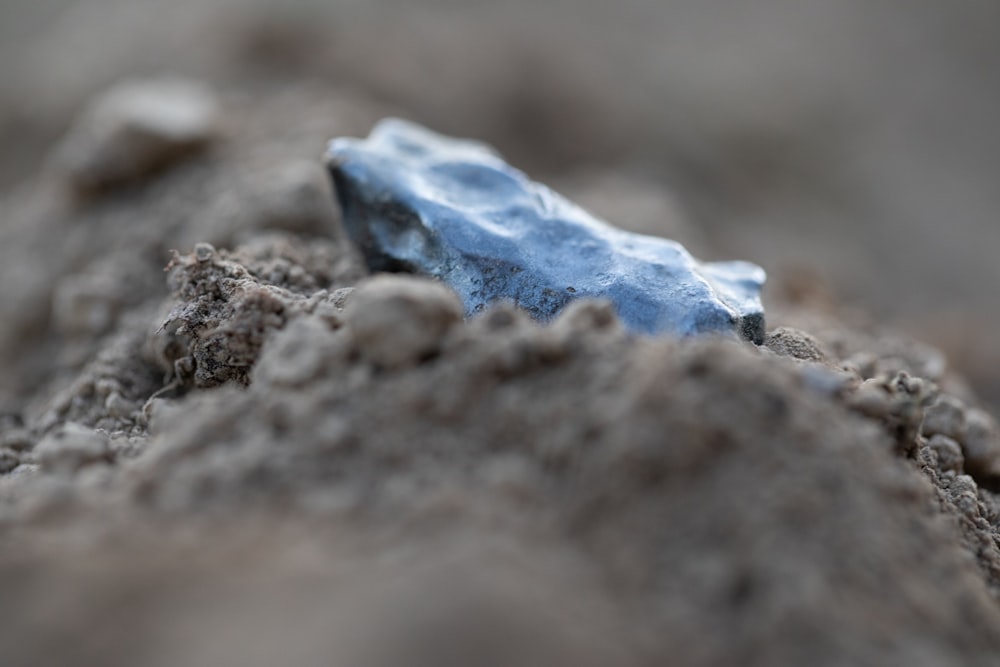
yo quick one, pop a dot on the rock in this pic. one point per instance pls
(396, 321)
(71, 447)
(416, 201)
(134, 129)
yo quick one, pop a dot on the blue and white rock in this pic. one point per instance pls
(419, 202)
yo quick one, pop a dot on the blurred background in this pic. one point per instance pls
(849, 144)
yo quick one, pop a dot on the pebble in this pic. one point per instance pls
(134, 129)
(397, 321)
(419, 202)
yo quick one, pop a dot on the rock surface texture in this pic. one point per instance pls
(419, 202)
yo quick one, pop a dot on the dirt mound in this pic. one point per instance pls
(266, 456)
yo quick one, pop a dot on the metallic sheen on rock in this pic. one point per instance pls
(419, 202)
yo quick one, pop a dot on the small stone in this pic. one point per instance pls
(136, 128)
(396, 321)
(949, 453)
(981, 444)
(945, 417)
(423, 203)
(71, 447)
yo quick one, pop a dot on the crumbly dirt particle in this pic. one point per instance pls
(397, 321)
(71, 447)
(797, 344)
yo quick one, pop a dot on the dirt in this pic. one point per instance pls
(222, 442)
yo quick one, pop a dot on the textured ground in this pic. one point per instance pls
(223, 443)
(262, 454)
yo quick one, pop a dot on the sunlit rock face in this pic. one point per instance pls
(419, 202)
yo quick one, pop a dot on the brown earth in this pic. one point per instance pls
(265, 456)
